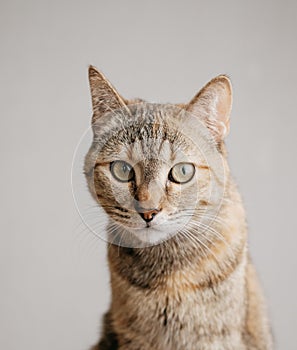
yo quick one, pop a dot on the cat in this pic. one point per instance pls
(181, 274)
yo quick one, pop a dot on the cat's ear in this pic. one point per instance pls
(105, 98)
(213, 105)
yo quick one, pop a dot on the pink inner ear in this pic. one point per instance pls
(223, 112)
(223, 109)
(213, 105)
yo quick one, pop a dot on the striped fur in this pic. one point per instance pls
(198, 289)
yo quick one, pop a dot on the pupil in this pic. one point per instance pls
(184, 170)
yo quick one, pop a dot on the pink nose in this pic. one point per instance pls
(148, 215)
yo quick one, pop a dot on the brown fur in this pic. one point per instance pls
(196, 290)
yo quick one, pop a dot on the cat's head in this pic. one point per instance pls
(158, 169)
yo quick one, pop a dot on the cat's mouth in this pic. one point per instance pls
(151, 232)
(148, 225)
(152, 219)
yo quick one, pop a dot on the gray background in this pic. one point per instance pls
(54, 279)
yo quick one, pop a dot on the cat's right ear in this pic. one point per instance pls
(105, 98)
(213, 106)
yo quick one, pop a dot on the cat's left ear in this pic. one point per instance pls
(213, 105)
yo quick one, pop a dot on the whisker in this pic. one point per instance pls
(204, 245)
(215, 232)
(197, 244)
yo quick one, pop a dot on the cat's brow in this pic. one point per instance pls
(203, 166)
(101, 164)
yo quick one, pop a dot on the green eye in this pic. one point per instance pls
(121, 171)
(182, 173)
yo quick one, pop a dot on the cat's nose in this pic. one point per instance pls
(148, 215)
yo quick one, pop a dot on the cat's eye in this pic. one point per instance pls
(182, 173)
(122, 171)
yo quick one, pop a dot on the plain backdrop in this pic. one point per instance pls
(54, 278)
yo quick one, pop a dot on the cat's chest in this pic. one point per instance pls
(179, 319)
(201, 317)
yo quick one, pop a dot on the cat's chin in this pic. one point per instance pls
(145, 235)
(140, 237)
(152, 236)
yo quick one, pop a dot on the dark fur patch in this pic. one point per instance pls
(109, 340)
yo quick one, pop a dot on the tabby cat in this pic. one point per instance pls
(181, 275)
